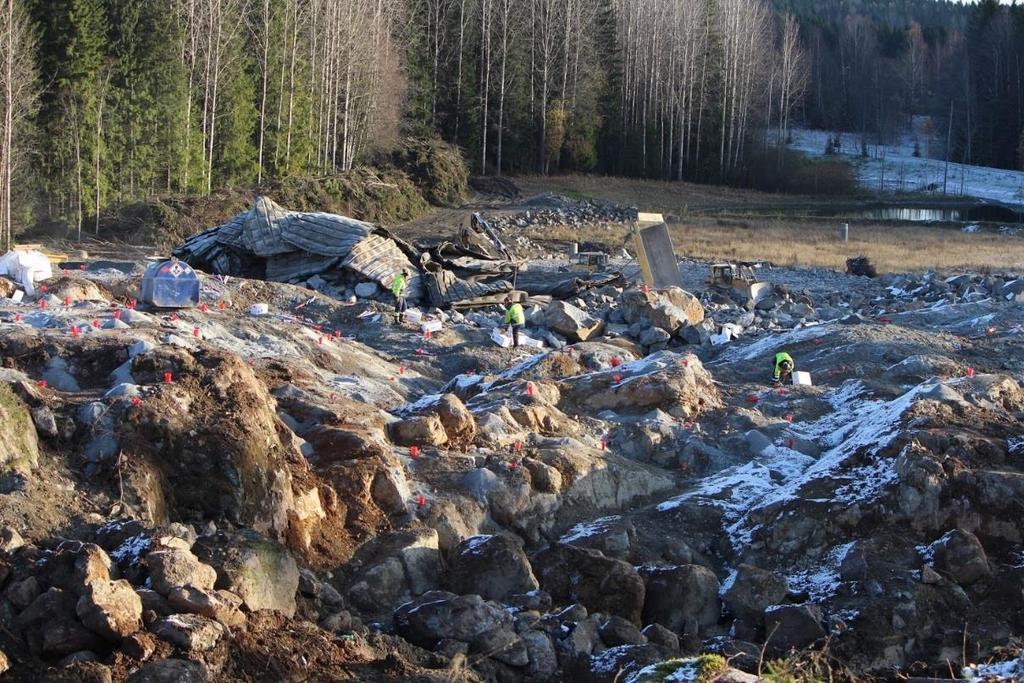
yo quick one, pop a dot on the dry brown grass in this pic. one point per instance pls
(895, 249)
(784, 241)
(656, 195)
(815, 243)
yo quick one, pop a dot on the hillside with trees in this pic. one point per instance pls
(109, 101)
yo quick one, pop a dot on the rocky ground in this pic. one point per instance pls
(322, 493)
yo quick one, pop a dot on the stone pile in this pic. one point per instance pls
(553, 210)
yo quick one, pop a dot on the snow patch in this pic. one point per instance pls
(1015, 446)
(894, 168)
(588, 529)
(1012, 670)
(131, 550)
(778, 475)
(475, 543)
(768, 345)
(686, 671)
(420, 405)
(821, 582)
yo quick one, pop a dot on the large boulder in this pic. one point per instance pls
(678, 384)
(493, 567)
(394, 568)
(602, 584)
(222, 606)
(683, 598)
(51, 627)
(190, 632)
(419, 430)
(19, 445)
(255, 568)
(439, 615)
(173, 567)
(110, 609)
(752, 591)
(792, 627)
(573, 323)
(670, 309)
(458, 422)
(960, 554)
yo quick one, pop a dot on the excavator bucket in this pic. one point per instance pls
(170, 284)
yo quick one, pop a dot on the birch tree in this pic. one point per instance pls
(19, 94)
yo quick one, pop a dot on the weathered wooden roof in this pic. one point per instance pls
(230, 233)
(261, 232)
(298, 265)
(323, 233)
(445, 289)
(378, 258)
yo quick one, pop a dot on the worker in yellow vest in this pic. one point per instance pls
(398, 286)
(782, 369)
(515, 318)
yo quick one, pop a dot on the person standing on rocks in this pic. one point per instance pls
(515, 318)
(783, 369)
(398, 286)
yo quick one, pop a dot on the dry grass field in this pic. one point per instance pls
(785, 241)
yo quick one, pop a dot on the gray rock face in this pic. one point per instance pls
(753, 591)
(51, 628)
(110, 609)
(45, 421)
(683, 599)
(659, 635)
(960, 555)
(171, 671)
(791, 627)
(365, 290)
(175, 567)
(586, 576)
(439, 615)
(504, 645)
(255, 568)
(699, 334)
(613, 535)
(571, 322)
(618, 631)
(493, 567)
(421, 430)
(19, 445)
(669, 309)
(222, 606)
(543, 661)
(654, 335)
(396, 568)
(190, 632)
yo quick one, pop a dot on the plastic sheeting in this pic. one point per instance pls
(26, 268)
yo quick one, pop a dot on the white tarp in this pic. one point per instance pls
(26, 267)
(505, 340)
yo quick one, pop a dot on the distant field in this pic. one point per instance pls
(797, 241)
(656, 195)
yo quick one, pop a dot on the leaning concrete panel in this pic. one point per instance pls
(655, 252)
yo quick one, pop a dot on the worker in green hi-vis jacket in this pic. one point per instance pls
(398, 286)
(516, 318)
(782, 369)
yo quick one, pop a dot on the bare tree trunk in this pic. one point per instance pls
(101, 96)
